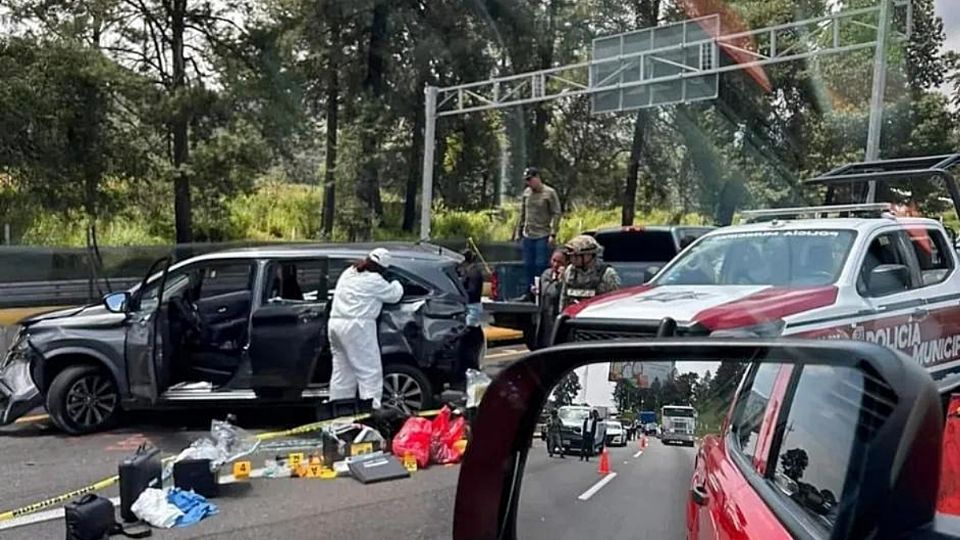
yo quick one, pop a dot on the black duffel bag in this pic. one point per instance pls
(92, 518)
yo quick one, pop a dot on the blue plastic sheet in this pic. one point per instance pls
(194, 507)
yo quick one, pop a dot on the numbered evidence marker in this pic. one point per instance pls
(409, 462)
(296, 460)
(359, 449)
(241, 470)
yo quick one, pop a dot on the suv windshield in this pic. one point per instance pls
(798, 257)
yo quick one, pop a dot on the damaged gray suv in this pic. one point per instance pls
(233, 328)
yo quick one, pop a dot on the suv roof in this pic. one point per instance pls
(420, 252)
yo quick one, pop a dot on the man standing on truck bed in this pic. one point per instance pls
(538, 224)
(585, 276)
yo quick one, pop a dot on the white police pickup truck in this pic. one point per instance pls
(860, 271)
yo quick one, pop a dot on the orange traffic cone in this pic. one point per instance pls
(604, 462)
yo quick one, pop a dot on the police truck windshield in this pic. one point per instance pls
(805, 257)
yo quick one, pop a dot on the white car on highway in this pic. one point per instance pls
(616, 435)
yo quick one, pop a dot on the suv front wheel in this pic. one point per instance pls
(406, 388)
(83, 399)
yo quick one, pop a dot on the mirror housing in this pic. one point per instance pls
(888, 279)
(892, 483)
(118, 302)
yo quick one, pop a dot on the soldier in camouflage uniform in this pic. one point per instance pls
(586, 276)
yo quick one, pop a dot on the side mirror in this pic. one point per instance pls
(853, 409)
(117, 302)
(888, 279)
(649, 272)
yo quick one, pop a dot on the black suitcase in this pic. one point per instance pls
(137, 473)
(195, 474)
(377, 469)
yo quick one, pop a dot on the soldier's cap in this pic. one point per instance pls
(530, 172)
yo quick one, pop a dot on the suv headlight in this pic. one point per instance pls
(17, 350)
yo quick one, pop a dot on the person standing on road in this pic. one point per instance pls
(471, 277)
(554, 439)
(585, 276)
(589, 431)
(549, 293)
(358, 298)
(538, 224)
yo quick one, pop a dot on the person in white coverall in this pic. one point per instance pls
(358, 298)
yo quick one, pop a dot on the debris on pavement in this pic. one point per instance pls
(153, 507)
(477, 383)
(194, 507)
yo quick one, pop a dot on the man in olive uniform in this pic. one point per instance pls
(586, 276)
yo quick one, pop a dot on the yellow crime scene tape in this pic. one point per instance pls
(107, 482)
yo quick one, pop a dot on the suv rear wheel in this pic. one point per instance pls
(406, 388)
(83, 399)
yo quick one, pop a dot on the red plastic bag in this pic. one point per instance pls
(414, 437)
(444, 438)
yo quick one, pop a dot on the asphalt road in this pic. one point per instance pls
(646, 499)
(38, 462)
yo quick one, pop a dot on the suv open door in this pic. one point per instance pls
(288, 329)
(147, 337)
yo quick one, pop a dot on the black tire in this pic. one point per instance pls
(406, 376)
(83, 399)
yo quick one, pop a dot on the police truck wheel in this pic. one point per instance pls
(406, 389)
(83, 399)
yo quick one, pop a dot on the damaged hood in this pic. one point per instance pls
(90, 315)
(712, 306)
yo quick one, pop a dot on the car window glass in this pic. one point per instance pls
(885, 249)
(410, 286)
(932, 254)
(297, 281)
(818, 436)
(224, 278)
(751, 405)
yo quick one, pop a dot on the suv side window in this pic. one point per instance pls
(222, 278)
(303, 280)
(199, 281)
(811, 462)
(886, 248)
(751, 404)
(933, 254)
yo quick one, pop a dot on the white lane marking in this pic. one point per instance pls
(597, 487)
(639, 452)
(40, 517)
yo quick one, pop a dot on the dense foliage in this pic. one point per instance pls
(166, 120)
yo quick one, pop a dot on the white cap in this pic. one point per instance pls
(381, 256)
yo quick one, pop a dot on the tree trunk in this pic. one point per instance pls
(368, 188)
(633, 171)
(181, 186)
(332, 108)
(415, 160)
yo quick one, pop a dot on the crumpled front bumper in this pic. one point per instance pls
(18, 394)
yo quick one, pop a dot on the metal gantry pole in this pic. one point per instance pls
(879, 89)
(429, 145)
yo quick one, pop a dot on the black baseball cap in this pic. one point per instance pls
(530, 172)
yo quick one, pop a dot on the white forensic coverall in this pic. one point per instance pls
(357, 301)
